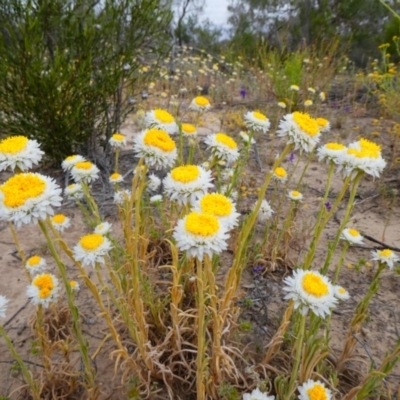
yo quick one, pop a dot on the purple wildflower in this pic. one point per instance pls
(291, 157)
(328, 206)
(257, 269)
(243, 93)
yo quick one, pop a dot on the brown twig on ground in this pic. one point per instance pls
(386, 246)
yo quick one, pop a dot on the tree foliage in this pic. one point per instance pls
(67, 67)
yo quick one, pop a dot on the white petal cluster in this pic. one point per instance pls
(85, 172)
(246, 138)
(386, 256)
(341, 293)
(312, 390)
(332, 152)
(199, 234)
(256, 394)
(19, 152)
(295, 195)
(256, 121)
(44, 290)
(310, 291)
(74, 191)
(60, 222)
(154, 156)
(265, 212)
(3, 306)
(352, 236)
(91, 256)
(103, 228)
(117, 140)
(220, 149)
(200, 104)
(154, 183)
(304, 135)
(220, 206)
(30, 209)
(70, 162)
(35, 264)
(156, 199)
(161, 119)
(122, 196)
(191, 190)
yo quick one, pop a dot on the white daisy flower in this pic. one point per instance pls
(322, 96)
(265, 212)
(122, 196)
(156, 147)
(161, 119)
(294, 88)
(324, 125)
(257, 121)
(221, 207)
(185, 184)
(28, 197)
(199, 234)
(280, 174)
(365, 156)
(310, 290)
(352, 236)
(70, 162)
(3, 306)
(223, 147)
(74, 191)
(60, 222)
(308, 103)
(84, 171)
(332, 152)
(92, 249)
(282, 104)
(386, 256)
(43, 290)
(189, 130)
(300, 129)
(311, 90)
(246, 137)
(341, 293)
(227, 174)
(256, 394)
(156, 199)
(103, 228)
(75, 287)
(200, 103)
(295, 195)
(314, 390)
(35, 264)
(19, 152)
(117, 140)
(154, 183)
(115, 178)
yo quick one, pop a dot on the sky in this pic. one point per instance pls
(216, 11)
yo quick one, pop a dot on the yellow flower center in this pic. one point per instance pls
(91, 242)
(18, 189)
(314, 285)
(185, 173)
(188, 128)
(70, 158)
(363, 153)
(201, 101)
(201, 224)
(45, 284)
(225, 140)
(280, 172)
(216, 204)
(59, 218)
(368, 145)
(385, 253)
(342, 290)
(73, 284)
(317, 392)
(260, 116)
(33, 261)
(86, 165)
(354, 232)
(163, 116)
(160, 139)
(13, 144)
(306, 123)
(322, 122)
(118, 137)
(335, 146)
(115, 176)
(295, 193)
